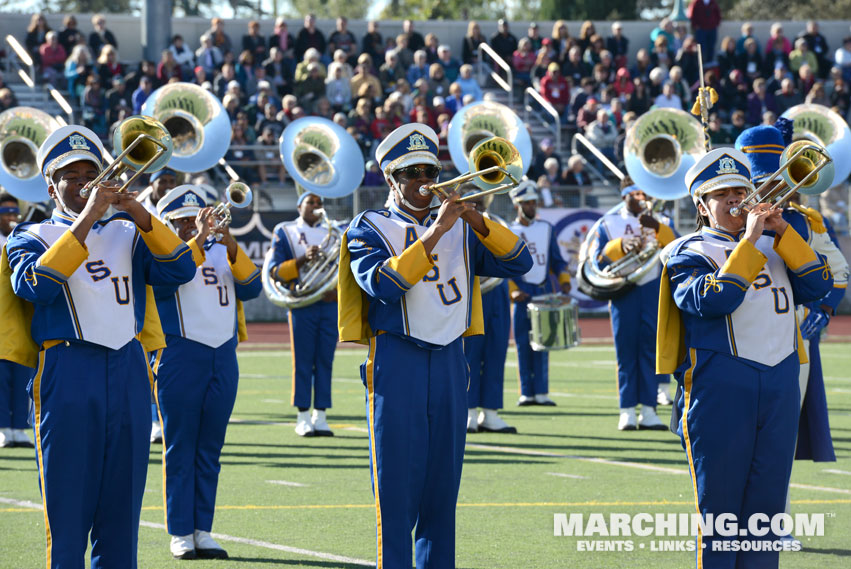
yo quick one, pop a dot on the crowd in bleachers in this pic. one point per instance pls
(372, 84)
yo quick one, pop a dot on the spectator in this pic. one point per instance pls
(311, 55)
(817, 96)
(209, 56)
(664, 29)
(36, 36)
(390, 72)
(451, 66)
(776, 34)
(361, 119)
(523, 60)
(728, 59)
(363, 78)
(468, 83)
(773, 83)
(341, 38)
(802, 55)
(817, 45)
(455, 100)
(580, 100)
(269, 119)
(145, 69)
(750, 62)
(668, 99)
(279, 72)
(705, 16)
(78, 67)
(759, 102)
(220, 83)
(470, 47)
(141, 94)
(593, 52)
(574, 68)
(100, 36)
(373, 176)
(777, 57)
(415, 39)
(220, 39)
(237, 157)
(840, 97)
(117, 100)
(250, 135)
(642, 66)
(52, 56)
(718, 133)
(661, 56)
(657, 78)
(373, 43)
(555, 90)
(245, 73)
(183, 56)
(734, 92)
(534, 36)
(747, 32)
(680, 85)
(561, 41)
(787, 97)
(338, 90)
(430, 47)
(552, 172)
(94, 106)
(547, 150)
(231, 102)
(311, 88)
(623, 85)
(265, 94)
(168, 68)
(7, 99)
(688, 61)
(738, 123)
(309, 37)
(806, 78)
(341, 61)
(322, 108)
(405, 55)
(503, 42)
(70, 36)
(601, 77)
(842, 58)
(639, 101)
(438, 85)
(602, 134)
(108, 65)
(586, 32)
(618, 45)
(616, 112)
(255, 42)
(282, 39)
(419, 69)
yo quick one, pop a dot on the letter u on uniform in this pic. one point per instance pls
(118, 296)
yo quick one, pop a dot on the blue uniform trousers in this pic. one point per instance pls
(416, 405)
(196, 389)
(313, 340)
(532, 367)
(738, 428)
(486, 354)
(814, 439)
(634, 330)
(14, 402)
(92, 427)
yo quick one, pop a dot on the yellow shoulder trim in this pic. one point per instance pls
(64, 256)
(241, 326)
(151, 336)
(243, 267)
(412, 265)
(16, 343)
(161, 240)
(477, 320)
(614, 249)
(500, 240)
(670, 332)
(198, 253)
(288, 270)
(746, 261)
(794, 250)
(352, 305)
(665, 235)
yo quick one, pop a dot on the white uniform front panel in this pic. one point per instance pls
(762, 328)
(623, 224)
(3, 240)
(537, 237)
(99, 293)
(301, 236)
(436, 309)
(207, 304)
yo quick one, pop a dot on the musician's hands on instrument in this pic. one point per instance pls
(228, 241)
(519, 296)
(775, 222)
(101, 197)
(630, 244)
(762, 217)
(203, 224)
(450, 210)
(647, 220)
(815, 322)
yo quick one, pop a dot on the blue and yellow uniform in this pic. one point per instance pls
(727, 330)
(486, 354)
(412, 309)
(634, 313)
(313, 328)
(197, 373)
(548, 272)
(80, 324)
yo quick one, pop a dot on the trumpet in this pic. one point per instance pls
(145, 146)
(238, 195)
(491, 161)
(801, 166)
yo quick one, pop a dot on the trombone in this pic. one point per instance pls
(491, 161)
(145, 145)
(800, 171)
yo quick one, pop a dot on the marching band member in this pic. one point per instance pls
(80, 280)
(197, 373)
(313, 336)
(633, 315)
(407, 288)
(14, 403)
(728, 332)
(763, 146)
(486, 354)
(533, 367)
(160, 183)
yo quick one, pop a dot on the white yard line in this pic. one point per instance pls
(231, 538)
(565, 475)
(835, 471)
(287, 483)
(821, 488)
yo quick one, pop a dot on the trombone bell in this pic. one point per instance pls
(491, 161)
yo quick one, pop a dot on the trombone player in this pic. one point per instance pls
(313, 338)
(76, 285)
(627, 232)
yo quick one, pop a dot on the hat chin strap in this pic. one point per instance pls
(405, 202)
(712, 217)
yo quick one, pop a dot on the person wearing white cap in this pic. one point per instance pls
(313, 328)
(632, 229)
(197, 373)
(408, 289)
(549, 274)
(727, 331)
(76, 306)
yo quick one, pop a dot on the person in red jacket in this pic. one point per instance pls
(705, 16)
(555, 89)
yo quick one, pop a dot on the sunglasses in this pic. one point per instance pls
(415, 172)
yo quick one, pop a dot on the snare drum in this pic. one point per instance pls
(555, 322)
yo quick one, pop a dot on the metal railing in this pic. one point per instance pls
(24, 60)
(506, 84)
(61, 101)
(580, 138)
(555, 127)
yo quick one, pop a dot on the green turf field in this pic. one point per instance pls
(295, 502)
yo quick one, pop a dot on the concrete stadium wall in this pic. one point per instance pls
(127, 30)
